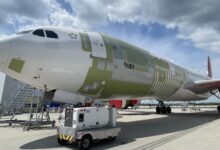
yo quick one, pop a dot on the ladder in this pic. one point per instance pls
(14, 101)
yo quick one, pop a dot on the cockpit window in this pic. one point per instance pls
(51, 34)
(39, 32)
(24, 32)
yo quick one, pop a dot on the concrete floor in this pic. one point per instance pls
(141, 129)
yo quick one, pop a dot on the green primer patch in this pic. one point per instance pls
(16, 65)
(110, 87)
(85, 41)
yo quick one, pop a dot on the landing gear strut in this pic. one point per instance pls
(216, 93)
(162, 108)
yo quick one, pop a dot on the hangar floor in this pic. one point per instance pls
(141, 129)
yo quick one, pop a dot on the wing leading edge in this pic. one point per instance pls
(202, 86)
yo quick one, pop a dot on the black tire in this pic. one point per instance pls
(61, 142)
(164, 110)
(26, 128)
(85, 142)
(53, 124)
(218, 108)
(158, 110)
(112, 138)
(169, 110)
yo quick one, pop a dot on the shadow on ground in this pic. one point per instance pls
(145, 128)
(134, 112)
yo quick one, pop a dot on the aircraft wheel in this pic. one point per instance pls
(169, 110)
(164, 110)
(218, 108)
(158, 110)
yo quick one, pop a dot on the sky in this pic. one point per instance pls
(184, 32)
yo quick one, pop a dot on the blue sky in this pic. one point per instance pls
(184, 32)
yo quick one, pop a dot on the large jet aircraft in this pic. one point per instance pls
(97, 65)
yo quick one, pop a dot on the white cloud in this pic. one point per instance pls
(25, 14)
(24, 8)
(197, 21)
(207, 38)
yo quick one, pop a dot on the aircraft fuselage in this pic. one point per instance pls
(94, 64)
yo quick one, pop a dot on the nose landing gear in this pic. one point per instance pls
(162, 108)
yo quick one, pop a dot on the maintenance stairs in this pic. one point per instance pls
(14, 101)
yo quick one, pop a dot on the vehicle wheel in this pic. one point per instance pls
(61, 142)
(113, 138)
(164, 110)
(158, 110)
(85, 142)
(169, 110)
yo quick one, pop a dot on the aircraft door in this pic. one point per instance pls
(98, 45)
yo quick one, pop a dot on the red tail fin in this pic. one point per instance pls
(209, 68)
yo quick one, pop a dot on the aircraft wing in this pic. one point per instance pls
(202, 86)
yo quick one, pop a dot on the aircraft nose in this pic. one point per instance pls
(5, 48)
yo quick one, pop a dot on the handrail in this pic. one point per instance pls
(16, 90)
(14, 96)
(12, 90)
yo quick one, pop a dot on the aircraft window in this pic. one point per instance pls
(24, 32)
(81, 117)
(51, 34)
(39, 32)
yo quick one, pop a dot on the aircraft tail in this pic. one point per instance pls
(209, 68)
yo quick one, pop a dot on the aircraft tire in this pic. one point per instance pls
(169, 110)
(218, 108)
(164, 110)
(158, 110)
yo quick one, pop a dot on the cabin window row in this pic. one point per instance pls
(46, 33)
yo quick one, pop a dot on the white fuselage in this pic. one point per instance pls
(62, 64)
(51, 63)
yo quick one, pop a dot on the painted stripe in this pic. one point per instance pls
(156, 85)
(170, 83)
(71, 138)
(167, 86)
(155, 81)
(67, 137)
(162, 88)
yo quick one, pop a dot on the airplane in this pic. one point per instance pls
(99, 66)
